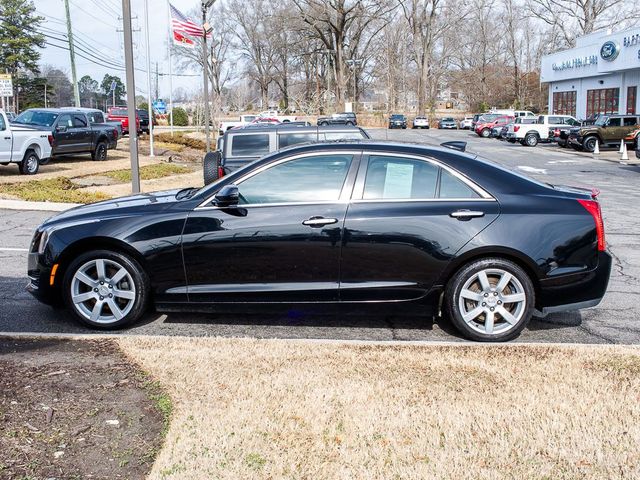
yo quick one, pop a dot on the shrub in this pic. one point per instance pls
(180, 117)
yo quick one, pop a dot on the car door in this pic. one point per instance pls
(81, 133)
(64, 134)
(629, 124)
(408, 217)
(5, 141)
(281, 243)
(613, 130)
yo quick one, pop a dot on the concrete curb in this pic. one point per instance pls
(38, 206)
(328, 341)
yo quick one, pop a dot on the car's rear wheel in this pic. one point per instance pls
(30, 163)
(531, 139)
(106, 289)
(100, 152)
(490, 300)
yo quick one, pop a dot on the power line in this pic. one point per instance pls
(101, 20)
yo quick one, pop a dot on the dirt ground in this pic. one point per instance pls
(75, 409)
(82, 170)
(267, 409)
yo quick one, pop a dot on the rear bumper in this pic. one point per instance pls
(575, 291)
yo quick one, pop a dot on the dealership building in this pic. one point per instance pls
(600, 75)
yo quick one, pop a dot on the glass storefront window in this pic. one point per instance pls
(564, 103)
(604, 100)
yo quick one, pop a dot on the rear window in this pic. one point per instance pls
(288, 139)
(118, 112)
(249, 145)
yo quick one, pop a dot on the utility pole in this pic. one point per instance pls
(354, 63)
(72, 54)
(131, 94)
(45, 94)
(149, 107)
(205, 70)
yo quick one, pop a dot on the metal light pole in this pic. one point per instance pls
(205, 70)
(353, 64)
(131, 96)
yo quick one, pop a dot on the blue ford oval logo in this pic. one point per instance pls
(609, 51)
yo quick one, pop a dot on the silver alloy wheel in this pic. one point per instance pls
(492, 301)
(32, 163)
(102, 291)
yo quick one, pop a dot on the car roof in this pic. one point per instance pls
(295, 129)
(81, 109)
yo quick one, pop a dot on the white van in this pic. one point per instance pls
(513, 113)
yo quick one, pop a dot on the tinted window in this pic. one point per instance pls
(453, 187)
(34, 117)
(95, 117)
(556, 120)
(79, 121)
(249, 145)
(355, 135)
(630, 121)
(615, 122)
(397, 178)
(2, 124)
(65, 121)
(309, 179)
(287, 139)
(119, 112)
(541, 119)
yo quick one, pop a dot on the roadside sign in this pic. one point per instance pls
(113, 86)
(160, 106)
(6, 86)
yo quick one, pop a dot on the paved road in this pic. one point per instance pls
(616, 320)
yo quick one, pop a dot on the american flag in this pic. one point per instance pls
(181, 24)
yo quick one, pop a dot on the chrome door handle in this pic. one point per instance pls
(466, 214)
(319, 221)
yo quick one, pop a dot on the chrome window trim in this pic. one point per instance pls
(340, 200)
(410, 200)
(472, 185)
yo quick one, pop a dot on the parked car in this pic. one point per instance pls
(237, 148)
(72, 131)
(421, 122)
(344, 118)
(516, 125)
(540, 131)
(483, 118)
(448, 123)
(397, 121)
(638, 145)
(334, 223)
(281, 117)
(609, 130)
(466, 123)
(97, 117)
(483, 129)
(23, 145)
(121, 114)
(244, 120)
(512, 113)
(144, 121)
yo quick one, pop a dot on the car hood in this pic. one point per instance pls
(131, 205)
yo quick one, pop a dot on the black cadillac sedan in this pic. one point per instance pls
(346, 223)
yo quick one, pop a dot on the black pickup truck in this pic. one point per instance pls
(72, 131)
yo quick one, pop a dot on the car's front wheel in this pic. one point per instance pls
(589, 143)
(100, 152)
(490, 300)
(106, 289)
(485, 133)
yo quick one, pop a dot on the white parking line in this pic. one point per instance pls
(9, 249)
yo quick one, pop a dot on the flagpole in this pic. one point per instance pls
(170, 72)
(149, 104)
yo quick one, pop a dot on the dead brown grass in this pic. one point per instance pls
(275, 409)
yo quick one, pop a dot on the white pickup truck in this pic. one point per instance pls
(23, 145)
(530, 134)
(244, 120)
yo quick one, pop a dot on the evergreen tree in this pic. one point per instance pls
(106, 88)
(19, 40)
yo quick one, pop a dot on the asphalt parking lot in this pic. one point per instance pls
(615, 320)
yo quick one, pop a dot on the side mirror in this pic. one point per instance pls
(227, 196)
(61, 128)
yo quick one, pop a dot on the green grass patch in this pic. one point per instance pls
(148, 172)
(59, 189)
(161, 400)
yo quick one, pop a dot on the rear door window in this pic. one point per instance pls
(452, 187)
(614, 122)
(79, 121)
(630, 121)
(249, 145)
(399, 178)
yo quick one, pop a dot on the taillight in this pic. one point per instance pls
(50, 138)
(220, 172)
(556, 132)
(115, 133)
(593, 207)
(516, 128)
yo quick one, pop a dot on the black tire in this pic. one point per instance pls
(485, 133)
(30, 164)
(350, 124)
(531, 140)
(211, 167)
(453, 299)
(589, 143)
(323, 124)
(100, 152)
(139, 279)
(511, 140)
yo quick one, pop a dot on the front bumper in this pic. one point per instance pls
(575, 291)
(40, 280)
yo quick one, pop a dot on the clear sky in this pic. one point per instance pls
(95, 24)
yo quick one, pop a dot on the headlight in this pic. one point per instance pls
(44, 238)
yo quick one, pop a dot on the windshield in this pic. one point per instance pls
(397, 117)
(447, 119)
(490, 117)
(601, 121)
(35, 117)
